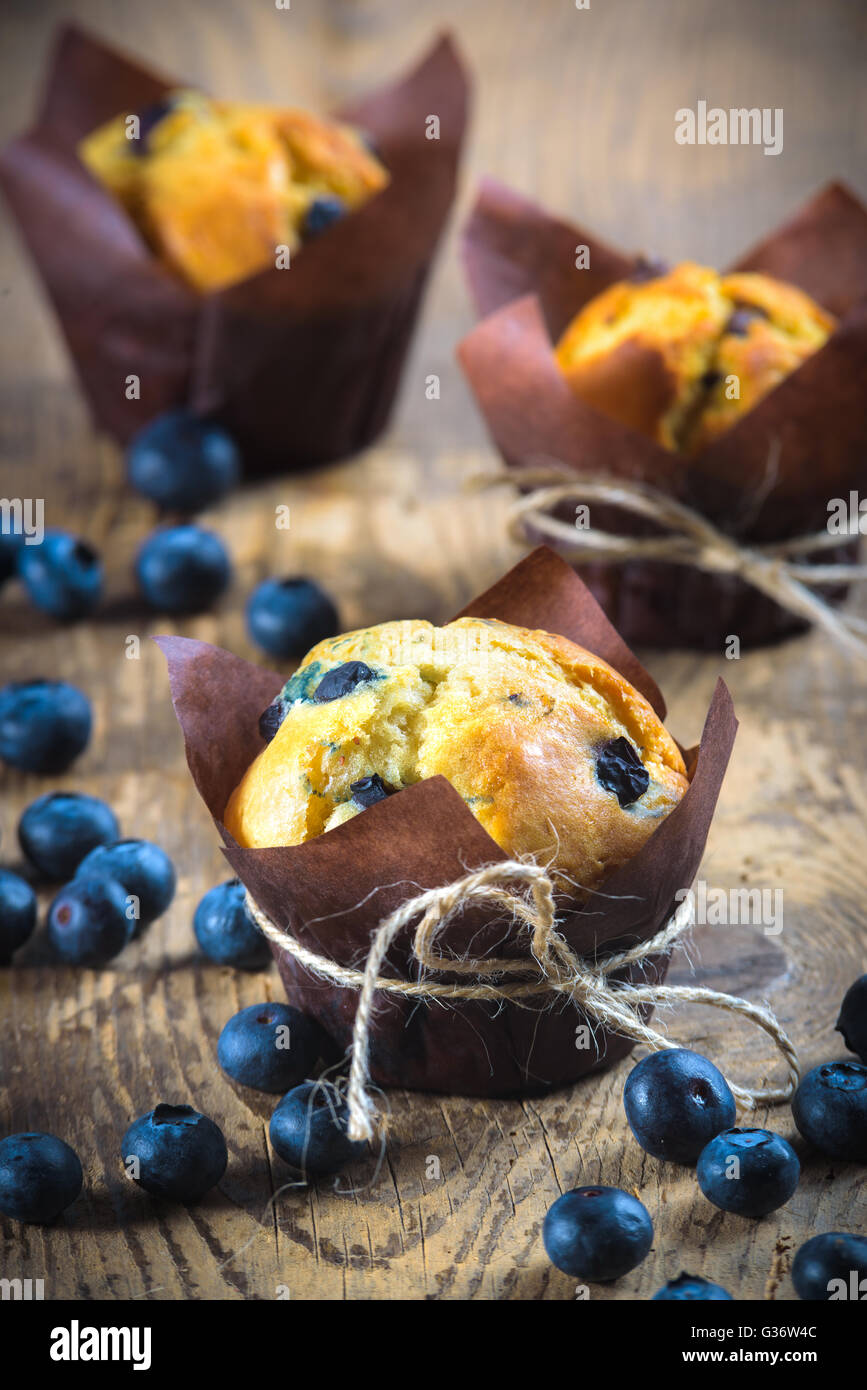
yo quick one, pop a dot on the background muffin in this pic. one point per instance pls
(216, 187)
(553, 751)
(659, 352)
(772, 329)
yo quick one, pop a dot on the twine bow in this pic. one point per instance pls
(689, 539)
(526, 892)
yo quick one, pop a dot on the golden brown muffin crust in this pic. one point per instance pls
(682, 356)
(516, 720)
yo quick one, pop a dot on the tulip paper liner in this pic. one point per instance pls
(301, 364)
(768, 478)
(333, 891)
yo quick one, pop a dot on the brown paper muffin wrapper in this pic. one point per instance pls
(301, 364)
(333, 891)
(767, 479)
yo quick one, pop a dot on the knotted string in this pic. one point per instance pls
(526, 892)
(689, 539)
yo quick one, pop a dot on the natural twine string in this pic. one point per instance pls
(526, 892)
(690, 539)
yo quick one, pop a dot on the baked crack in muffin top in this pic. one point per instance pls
(556, 754)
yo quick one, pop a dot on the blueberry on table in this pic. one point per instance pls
(174, 1152)
(342, 680)
(852, 1022)
(10, 545)
(270, 1047)
(830, 1109)
(308, 1130)
(750, 1172)
(621, 771)
(368, 790)
(88, 921)
(40, 1176)
(62, 575)
(286, 617)
(144, 870)
(690, 1287)
(44, 725)
(182, 462)
(830, 1267)
(322, 213)
(17, 913)
(225, 930)
(597, 1233)
(57, 830)
(183, 569)
(676, 1101)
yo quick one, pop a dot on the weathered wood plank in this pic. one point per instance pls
(390, 534)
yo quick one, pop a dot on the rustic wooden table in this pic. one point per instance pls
(576, 107)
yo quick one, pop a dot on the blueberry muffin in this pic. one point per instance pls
(554, 753)
(680, 355)
(216, 187)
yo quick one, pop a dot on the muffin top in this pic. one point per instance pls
(682, 354)
(216, 187)
(553, 751)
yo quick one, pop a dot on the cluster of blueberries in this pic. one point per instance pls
(183, 463)
(120, 886)
(176, 1153)
(681, 1109)
(677, 1103)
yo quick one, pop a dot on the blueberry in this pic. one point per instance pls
(179, 1154)
(690, 1286)
(57, 830)
(10, 546)
(748, 1171)
(286, 617)
(88, 922)
(308, 1129)
(739, 323)
(823, 1268)
(271, 1047)
(675, 1102)
(183, 462)
(271, 718)
(597, 1233)
(40, 1176)
(17, 913)
(852, 1022)
(225, 930)
(148, 120)
(62, 575)
(44, 725)
(830, 1109)
(182, 569)
(647, 268)
(342, 680)
(620, 770)
(322, 213)
(143, 869)
(368, 790)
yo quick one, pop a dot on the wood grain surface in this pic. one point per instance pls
(577, 108)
